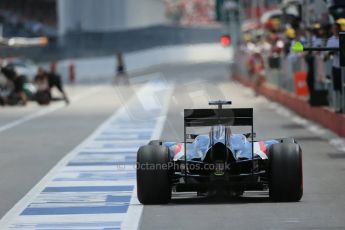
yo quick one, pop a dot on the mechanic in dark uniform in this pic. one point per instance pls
(53, 79)
(333, 42)
(18, 84)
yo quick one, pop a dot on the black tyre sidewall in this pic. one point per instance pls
(156, 142)
(153, 185)
(289, 140)
(285, 172)
(43, 97)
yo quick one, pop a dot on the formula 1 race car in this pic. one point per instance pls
(219, 160)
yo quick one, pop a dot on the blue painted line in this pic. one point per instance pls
(89, 189)
(105, 146)
(100, 172)
(86, 224)
(121, 124)
(131, 162)
(108, 177)
(75, 210)
(119, 138)
(125, 199)
(115, 146)
(103, 177)
(103, 160)
(125, 132)
(131, 158)
(64, 226)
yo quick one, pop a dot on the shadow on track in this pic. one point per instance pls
(192, 199)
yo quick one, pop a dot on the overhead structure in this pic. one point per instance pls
(108, 15)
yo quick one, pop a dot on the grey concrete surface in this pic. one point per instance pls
(13, 113)
(323, 203)
(28, 151)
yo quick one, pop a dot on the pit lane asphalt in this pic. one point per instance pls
(30, 150)
(323, 202)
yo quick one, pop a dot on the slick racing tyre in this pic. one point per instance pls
(43, 97)
(285, 172)
(153, 175)
(288, 140)
(156, 142)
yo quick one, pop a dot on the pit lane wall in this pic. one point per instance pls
(285, 82)
(322, 115)
(93, 69)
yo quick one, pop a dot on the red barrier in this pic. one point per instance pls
(300, 81)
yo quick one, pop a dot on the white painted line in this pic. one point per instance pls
(25, 201)
(133, 217)
(48, 110)
(134, 209)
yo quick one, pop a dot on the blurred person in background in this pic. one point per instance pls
(310, 57)
(120, 68)
(248, 44)
(3, 89)
(333, 42)
(17, 94)
(55, 80)
(318, 35)
(277, 46)
(277, 43)
(291, 57)
(290, 35)
(256, 66)
(45, 81)
(41, 80)
(319, 39)
(294, 63)
(262, 44)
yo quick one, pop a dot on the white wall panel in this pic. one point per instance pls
(108, 15)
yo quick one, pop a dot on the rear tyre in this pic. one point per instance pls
(156, 142)
(285, 172)
(43, 97)
(288, 140)
(153, 175)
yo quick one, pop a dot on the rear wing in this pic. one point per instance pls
(210, 117)
(219, 116)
